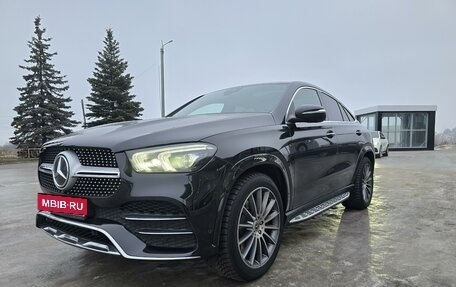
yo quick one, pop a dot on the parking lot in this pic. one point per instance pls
(406, 238)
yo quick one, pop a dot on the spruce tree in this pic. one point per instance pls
(43, 112)
(110, 96)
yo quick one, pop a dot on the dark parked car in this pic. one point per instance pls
(219, 178)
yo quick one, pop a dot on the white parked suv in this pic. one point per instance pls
(381, 144)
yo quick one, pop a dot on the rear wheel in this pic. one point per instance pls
(387, 151)
(361, 195)
(251, 229)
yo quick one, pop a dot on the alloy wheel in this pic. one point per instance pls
(258, 227)
(367, 182)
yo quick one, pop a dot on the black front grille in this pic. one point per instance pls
(80, 232)
(84, 186)
(183, 241)
(152, 208)
(88, 156)
(47, 182)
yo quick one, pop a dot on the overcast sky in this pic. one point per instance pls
(364, 52)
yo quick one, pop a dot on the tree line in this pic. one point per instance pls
(43, 112)
(447, 137)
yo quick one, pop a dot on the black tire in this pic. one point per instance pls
(229, 262)
(387, 151)
(361, 195)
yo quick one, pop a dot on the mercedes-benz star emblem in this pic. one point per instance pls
(66, 164)
(61, 171)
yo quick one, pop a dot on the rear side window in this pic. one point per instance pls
(346, 115)
(350, 116)
(332, 108)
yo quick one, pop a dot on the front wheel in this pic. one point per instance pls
(251, 229)
(361, 195)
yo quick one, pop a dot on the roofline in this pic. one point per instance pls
(396, 108)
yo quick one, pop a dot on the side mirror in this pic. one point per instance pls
(309, 114)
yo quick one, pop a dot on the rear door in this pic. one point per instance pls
(349, 139)
(344, 163)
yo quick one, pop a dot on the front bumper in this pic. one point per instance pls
(112, 239)
(174, 217)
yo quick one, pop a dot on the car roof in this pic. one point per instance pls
(291, 84)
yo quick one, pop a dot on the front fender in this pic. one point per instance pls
(263, 159)
(240, 166)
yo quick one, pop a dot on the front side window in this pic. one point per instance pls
(332, 108)
(304, 97)
(262, 98)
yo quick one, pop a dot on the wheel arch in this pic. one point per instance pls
(367, 151)
(276, 174)
(268, 164)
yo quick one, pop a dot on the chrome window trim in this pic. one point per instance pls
(318, 92)
(294, 95)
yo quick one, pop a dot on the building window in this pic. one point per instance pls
(405, 130)
(368, 121)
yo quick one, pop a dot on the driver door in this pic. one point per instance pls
(313, 150)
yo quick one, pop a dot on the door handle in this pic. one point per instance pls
(330, 134)
(358, 132)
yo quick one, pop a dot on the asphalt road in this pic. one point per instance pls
(406, 238)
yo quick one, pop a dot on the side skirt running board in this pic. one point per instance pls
(309, 213)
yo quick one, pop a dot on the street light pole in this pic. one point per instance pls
(83, 114)
(162, 61)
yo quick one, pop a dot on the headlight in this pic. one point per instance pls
(173, 158)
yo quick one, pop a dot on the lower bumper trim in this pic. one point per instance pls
(79, 242)
(115, 249)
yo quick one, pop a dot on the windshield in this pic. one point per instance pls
(246, 99)
(374, 135)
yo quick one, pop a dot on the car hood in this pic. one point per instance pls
(144, 133)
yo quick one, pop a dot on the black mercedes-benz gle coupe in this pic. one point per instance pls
(219, 178)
